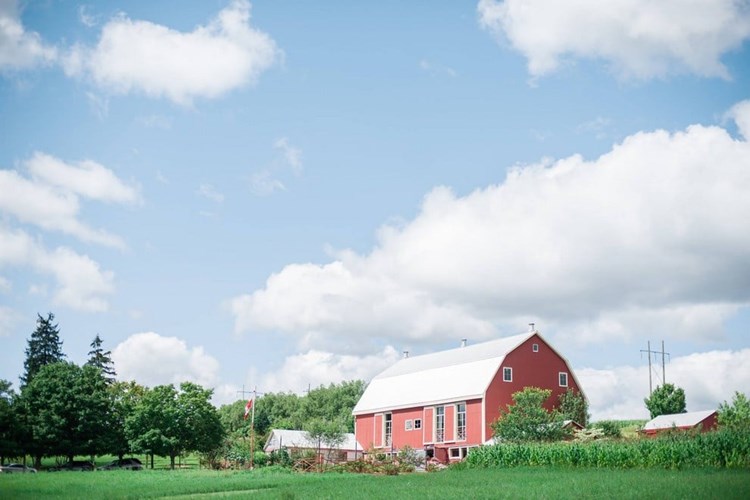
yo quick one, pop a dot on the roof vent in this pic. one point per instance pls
(463, 342)
(531, 327)
(406, 354)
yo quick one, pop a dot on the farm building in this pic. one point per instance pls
(444, 402)
(299, 442)
(701, 420)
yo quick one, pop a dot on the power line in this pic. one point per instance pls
(663, 365)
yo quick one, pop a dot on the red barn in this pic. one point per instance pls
(702, 420)
(443, 403)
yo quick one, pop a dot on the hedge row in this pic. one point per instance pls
(722, 448)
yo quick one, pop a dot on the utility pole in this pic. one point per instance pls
(254, 393)
(663, 365)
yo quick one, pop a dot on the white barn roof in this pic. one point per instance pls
(285, 438)
(461, 373)
(689, 419)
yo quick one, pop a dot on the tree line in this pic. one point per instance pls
(66, 410)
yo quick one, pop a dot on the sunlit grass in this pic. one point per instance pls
(541, 482)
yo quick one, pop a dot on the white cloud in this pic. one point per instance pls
(210, 192)
(98, 104)
(50, 199)
(292, 156)
(20, 49)
(152, 359)
(263, 183)
(650, 236)
(314, 368)
(140, 56)
(87, 178)
(5, 285)
(81, 283)
(8, 319)
(156, 121)
(436, 69)
(87, 19)
(708, 379)
(639, 38)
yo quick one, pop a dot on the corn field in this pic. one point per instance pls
(723, 449)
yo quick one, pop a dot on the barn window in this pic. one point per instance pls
(439, 424)
(563, 379)
(417, 423)
(387, 429)
(408, 424)
(461, 421)
(507, 374)
(535, 347)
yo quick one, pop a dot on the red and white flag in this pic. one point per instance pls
(248, 407)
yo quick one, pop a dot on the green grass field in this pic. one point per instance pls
(469, 483)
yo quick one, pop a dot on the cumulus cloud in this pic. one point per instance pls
(638, 38)
(650, 237)
(314, 368)
(708, 379)
(81, 283)
(152, 359)
(86, 178)
(141, 56)
(20, 49)
(50, 198)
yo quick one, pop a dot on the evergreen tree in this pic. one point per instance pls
(44, 348)
(101, 359)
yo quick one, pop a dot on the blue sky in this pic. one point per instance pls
(283, 194)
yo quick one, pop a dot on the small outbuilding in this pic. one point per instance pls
(702, 420)
(296, 442)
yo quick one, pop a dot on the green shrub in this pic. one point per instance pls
(609, 428)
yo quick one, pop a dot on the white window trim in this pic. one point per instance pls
(434, 424)
(384, 441)
(408, 425)
(415, 424)
(511, 373)
(535, 347)
(455, 421)
(559, 379)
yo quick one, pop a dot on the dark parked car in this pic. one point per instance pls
(75, 465)
(14, 468)
(125, 463)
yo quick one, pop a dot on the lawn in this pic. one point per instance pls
(469, 483)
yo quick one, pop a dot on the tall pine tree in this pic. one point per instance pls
(44, 347)
(101, 359)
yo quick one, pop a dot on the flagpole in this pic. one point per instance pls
(252, 429)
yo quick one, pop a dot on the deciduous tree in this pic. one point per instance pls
(573, 406)
(152, 427)
(666, 399)
(528, 420)
(8, 423)
(735, 416)
(198, 420)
